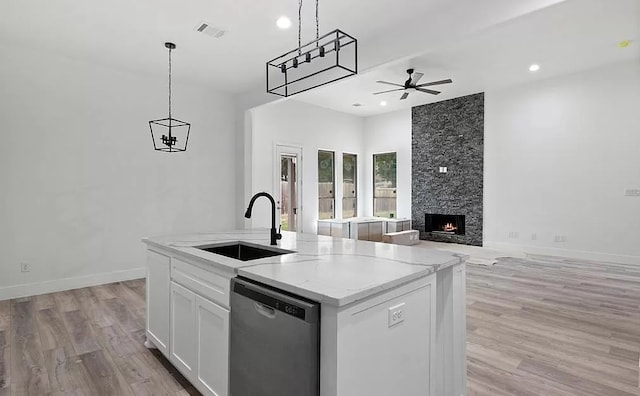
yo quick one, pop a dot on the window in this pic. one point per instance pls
(349, 185)
(384, 181)
(326, 185)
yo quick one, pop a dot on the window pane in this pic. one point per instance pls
(326, 185)
(349, 185)
(384, 193)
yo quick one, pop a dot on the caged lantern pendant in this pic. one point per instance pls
(169, 134)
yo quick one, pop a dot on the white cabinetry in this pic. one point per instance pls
(188, 320)
(383, 345)
(212, 338)
(451, 333)
(183, 325)
(158, 269)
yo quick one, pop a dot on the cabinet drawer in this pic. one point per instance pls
(207, 284)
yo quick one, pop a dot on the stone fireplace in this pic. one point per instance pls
(447, 157)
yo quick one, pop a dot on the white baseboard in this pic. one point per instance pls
(569, 253)
(57, 285)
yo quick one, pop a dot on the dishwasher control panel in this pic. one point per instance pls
(276, 303)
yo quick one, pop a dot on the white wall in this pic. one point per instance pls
(558, 156)
(80, 181)
(390, 132)
(312, 128)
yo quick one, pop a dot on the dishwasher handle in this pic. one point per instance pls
(272, 300)
(265, 310)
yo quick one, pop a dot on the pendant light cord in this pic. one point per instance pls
(299, 27)
(169, 83)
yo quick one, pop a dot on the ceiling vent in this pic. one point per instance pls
(209, 30)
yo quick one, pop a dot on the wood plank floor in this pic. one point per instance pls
(535, 327)
(83, 342)
(550, 326)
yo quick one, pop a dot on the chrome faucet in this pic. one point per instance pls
(275, 235)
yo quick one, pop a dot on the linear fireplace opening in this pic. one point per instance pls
(444, 224)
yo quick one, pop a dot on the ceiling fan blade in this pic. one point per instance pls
(404, 96)
(416, 77)
(391, 90)
(390, 83)
(428, 91)
(429, 84)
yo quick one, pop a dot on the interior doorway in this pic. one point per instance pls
(287, 187)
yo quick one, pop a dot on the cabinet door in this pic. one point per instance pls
(375, 231)
(158, 291)
(183, 323)
(212, 322)
(363, 231)
(324, 228)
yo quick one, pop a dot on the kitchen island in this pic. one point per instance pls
(392, 317)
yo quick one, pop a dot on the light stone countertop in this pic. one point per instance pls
(333, 271)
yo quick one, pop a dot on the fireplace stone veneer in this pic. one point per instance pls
(448, 134)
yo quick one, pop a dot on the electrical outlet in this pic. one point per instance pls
(25, 267)
(514, 234)
(560, 238)
(396, 315)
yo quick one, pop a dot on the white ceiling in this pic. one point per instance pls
(129, 34)
(565, 38)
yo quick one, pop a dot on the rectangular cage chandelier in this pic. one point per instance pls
(329, 58)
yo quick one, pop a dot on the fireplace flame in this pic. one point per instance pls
(449, 227)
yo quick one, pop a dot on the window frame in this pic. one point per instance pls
(333, 190)
(373, 175)
(355, 184)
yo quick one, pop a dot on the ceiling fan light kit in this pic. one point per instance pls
(411, 85)
(169, 134)
(326, 59)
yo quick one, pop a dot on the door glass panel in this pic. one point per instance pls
(349, 185)
(288, 192)
(326, 185)
(384, 180)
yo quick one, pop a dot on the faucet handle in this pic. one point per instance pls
(279, 235)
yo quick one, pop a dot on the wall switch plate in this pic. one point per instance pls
(443, 169)
(25, 267)
(396, 315)
(514, 234)
(534, 236)
(632, 192)
(560, 238)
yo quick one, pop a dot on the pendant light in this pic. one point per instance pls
(169, 134)
(326, 59)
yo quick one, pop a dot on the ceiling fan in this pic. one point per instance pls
(411, 85)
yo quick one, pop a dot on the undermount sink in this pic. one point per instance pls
(243, 251)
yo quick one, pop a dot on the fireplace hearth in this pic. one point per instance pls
(444, 224)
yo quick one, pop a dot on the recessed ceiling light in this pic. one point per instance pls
(283, 22)
(534, 68)
(383, 103)
(357, 105)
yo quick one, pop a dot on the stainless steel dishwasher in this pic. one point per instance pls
(275, 342)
